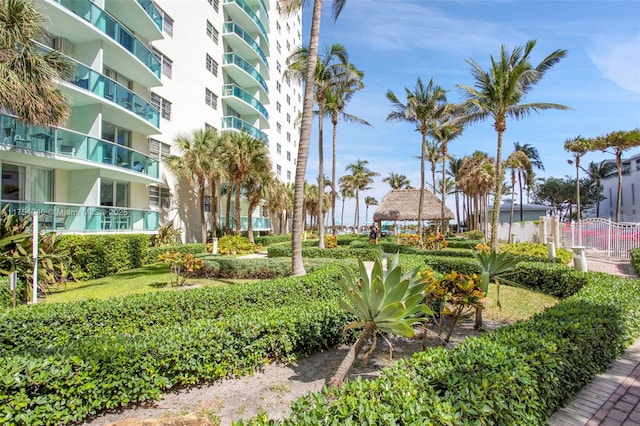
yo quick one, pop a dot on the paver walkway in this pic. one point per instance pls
(612, 398)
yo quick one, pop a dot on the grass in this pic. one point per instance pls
(148, 279)
(517, 303)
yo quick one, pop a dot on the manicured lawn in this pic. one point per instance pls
(517, 303)
(149, 279)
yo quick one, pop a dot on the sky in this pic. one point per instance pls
(396, 41)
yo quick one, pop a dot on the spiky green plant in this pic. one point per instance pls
(494, 267)
(385, 303)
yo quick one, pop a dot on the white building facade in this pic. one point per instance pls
(630, 200)
(146, 72)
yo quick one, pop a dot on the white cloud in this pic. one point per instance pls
(619, 61)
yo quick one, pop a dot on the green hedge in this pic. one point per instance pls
(63, 363)
(518, 374)
(96, 256)
(217, 267)
(463, 243)
(191, 248)
(267, 240)
(340, 252)
(635, 260)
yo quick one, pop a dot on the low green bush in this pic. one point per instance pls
(463, 243)
(340, 252)
(235, 244)
(518, 374)
(191, 248)
(267, 240)
(635, 259)
(475, 234)
(535, 252)
(244, 268)
(96, 256)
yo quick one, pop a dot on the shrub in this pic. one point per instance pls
(235, 244)
(330, 241)
(217, 267)
(463, 243)
(359, 244)
(535, 251)
(475, 234)
(635, 259)
(191, 248)
(412, 240)
(435, 242)
(365, 254)
(268, 240)
(181, 266)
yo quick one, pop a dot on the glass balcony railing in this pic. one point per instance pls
(233, 90)
(247, 9)
(153, 12)
(80, 218)
(112, 28)
(20, 136)
(232, 58)
(259, 223)
(242, 126)
(106, 88)
(232, 27)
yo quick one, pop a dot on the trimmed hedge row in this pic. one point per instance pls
(160, 341)
(518, 374)
(267, 240)
(217, 267)
(340, 252)
(463, 243)
(635, 259)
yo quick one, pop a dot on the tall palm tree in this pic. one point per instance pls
(368, 201)
(297, 267)
(246, 156)
(597, 172)
(534, 158)
(517, 162)
(424, 106)
(28, 76)
(616, 143)
(477, 175)
(579, 146)
(346, 191)
(498, 93)
(454, 172)
(331, 66)
(361, 178)
(397, 181)
(433, 154)
(336, 99)
(194, 164)
(257, 187)
(446, 131)
(275, 203)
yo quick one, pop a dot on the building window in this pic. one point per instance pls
(279, 127)
(212, 65)
(288, 137)
(167, 24)
(210, 99)
(278, 106)
(279, 149)
(288, 100)
(215, 4)
(278, 46)
(278, 67)
(279, 170)
(288, 174)
(288, 155)
(288, 46)
(114, 193)
(159, 197)
(21, 183)
(278, 26)
(212, 33)
(158, 150)
(162, 105)
(288, 118)
(278, 86)
(165, 63)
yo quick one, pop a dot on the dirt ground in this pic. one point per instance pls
(272, 390)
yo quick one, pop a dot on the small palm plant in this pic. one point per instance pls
(386, 303)
(494, 267)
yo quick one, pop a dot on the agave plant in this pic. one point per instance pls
(494, 267)
(383, 303)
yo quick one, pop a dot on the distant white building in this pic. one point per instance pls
(630, 202)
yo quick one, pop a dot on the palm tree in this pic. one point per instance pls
(477, 175)
(454, 172)
(346, 191)
(194, 165)
(257, 186)
(517, 162)
(336, 99)
(445, 132)
(369, 201)
(433, 154)
(498, 94)
(424, 106)
(28, 76)
(534, 158)
(275, 203)
(297, 267)
(397, 181)
(618, 142)
(597, 172)
(361, 178)
(579, 146)
(246, 156)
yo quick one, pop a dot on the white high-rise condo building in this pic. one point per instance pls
(146, 72)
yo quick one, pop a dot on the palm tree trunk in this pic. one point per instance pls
(520, 189)
(421, 197)
(578, 187)
(341, 373)
(203, 220)
(333, 181)
(250, 222)
(513, 194)
(342, 214)
(497, 196)
(444, 163)
(297, 267)
(228, 212)
(598, 189)
(236, 210)
(213, 194)
(619, 201)
(357, 214)
(320, 179)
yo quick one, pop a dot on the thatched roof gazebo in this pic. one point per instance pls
(402, 204)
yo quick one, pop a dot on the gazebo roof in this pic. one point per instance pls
(402, 204)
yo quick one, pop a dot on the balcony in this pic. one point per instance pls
(243, 102)
(248, 75)
(259, 223)
(242, 42)
(75, 218)
(67, 145)
(104, 87)
(143, 17)
(106, 24)
(235, 123)
(243, 14)
(262, 5)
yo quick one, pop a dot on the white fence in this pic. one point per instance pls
(600, 237)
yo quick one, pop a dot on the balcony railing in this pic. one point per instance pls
(80, 218)
(232, 58)
(104, 22)
(18, 135)
(259, 223)
(242, 126)
(247, 9)
(233, 90)
(153, 12)
(232, 27)
(106, 88)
